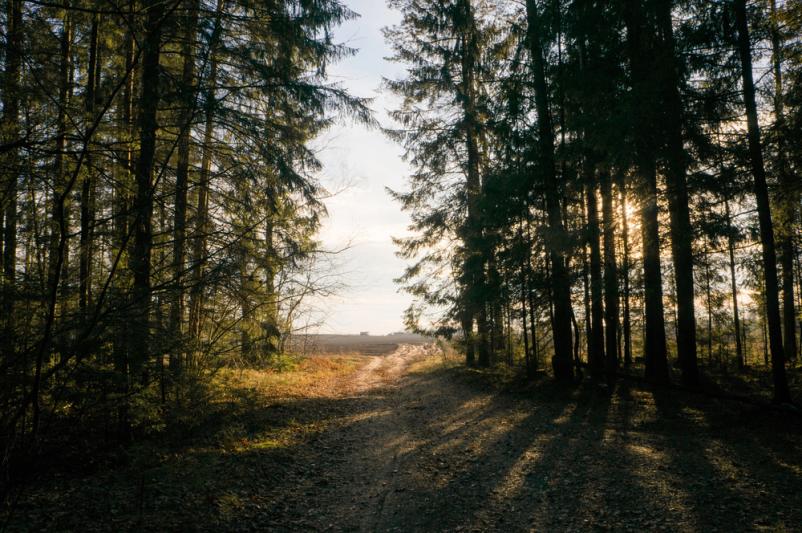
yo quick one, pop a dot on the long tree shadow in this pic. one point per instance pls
(637, 460)
(444, 450)
(727, 455)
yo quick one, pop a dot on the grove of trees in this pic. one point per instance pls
(159, 201)
(605, 183)
(597, 186)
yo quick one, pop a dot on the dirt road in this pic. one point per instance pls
(405, 442)
(422, 447)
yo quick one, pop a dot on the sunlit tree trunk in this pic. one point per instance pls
(202, 223)
(585, 291)
(271, 315)
(627, 320)
(611, 295)
(596, 333)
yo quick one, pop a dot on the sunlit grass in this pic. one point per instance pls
(311, 376)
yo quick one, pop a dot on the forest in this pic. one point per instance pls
(628, 181)
(606, 210)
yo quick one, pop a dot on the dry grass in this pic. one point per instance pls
(417, 442)
(244, 441)
(312, 377)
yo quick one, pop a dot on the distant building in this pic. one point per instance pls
(364, 333)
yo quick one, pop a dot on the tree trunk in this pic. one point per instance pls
(524, 288)
(680, 223)
(88, 185)
(709, 302)
(585, 291)
(781, 392)
(739, 352)
(558, 240)
(143, 203)
(182, 180)
(475, 255)
(596, 341)
(798, 260)
(11, 170)
(202, 222)
(121, 212)
(59, 221)
(645, 155)
(611, 295)
(789, 196)
(271, 315)
(627, 326)
(202, 226)
(530, 294)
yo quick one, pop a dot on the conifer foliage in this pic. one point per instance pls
(159, 199)
(599, 181)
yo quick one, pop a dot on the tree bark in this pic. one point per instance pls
(789, 196)
(645, 156)
(475, 255)
(11, 169)
(781, 392)
(596, 342)
(627, 321)
(143, 203)
(739, 351)
(709, 302)
(182, 180)
(523, 279)
(611, 295)
(202, 223)
(88, 185)
(585, 292)
(558, 240)
(121, 211)
(680, 220)
(202, 226)
(60, 206)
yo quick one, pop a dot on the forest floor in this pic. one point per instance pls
(412, 441)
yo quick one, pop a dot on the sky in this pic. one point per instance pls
(358, 164)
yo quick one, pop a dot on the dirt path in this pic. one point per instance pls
(421, 448)
(408, 443)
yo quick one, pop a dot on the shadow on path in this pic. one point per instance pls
(418, 446)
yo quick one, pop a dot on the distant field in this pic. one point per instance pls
(361, 344)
